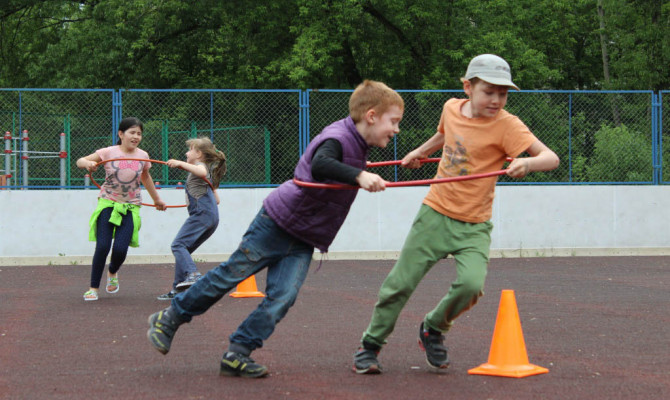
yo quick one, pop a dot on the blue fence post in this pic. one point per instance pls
(115, 122)
(307, 121)
(656, 139)
(660, 134)
(570, 137)
(117, 105)
(303, 122)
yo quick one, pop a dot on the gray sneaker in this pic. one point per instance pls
(191, 278)
(433, 344)
(237, 364)
(162, 327)
(365, 362)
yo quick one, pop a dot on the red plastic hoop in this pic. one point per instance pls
(146, 160)
(398, 162)
(420, 182)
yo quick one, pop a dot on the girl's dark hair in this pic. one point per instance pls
(128, 123)
(214, 158)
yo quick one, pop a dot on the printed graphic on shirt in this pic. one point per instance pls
(122, 182)
(455, 159)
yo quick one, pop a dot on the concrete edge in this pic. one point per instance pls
(347, 255)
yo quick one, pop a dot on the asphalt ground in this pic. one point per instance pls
(601, 325)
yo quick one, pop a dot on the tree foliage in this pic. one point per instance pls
(620, 155)
(410, 44)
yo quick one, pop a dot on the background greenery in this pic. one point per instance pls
(422, 44)
(584, 46)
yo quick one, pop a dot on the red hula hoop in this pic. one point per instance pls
(398, 162)
(146, 160)
(419, 182)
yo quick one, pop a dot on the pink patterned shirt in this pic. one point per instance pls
(122, 178)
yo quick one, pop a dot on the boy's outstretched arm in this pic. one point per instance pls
(327, 164)
(430, 146)
(542, 158)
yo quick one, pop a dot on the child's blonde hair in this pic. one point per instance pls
(373, 95)
(215, 159)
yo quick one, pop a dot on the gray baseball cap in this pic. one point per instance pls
(492, 69)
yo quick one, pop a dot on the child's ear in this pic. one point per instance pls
(370, 116)
(467, 87)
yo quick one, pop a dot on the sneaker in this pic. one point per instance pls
(162, 327)
(167, 296)
(237, 364)
(191, 278)
(112, 285)
(365, 362)
(433, 344)
(91, 295)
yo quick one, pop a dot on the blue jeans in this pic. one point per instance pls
(202, 221)
(264, 245)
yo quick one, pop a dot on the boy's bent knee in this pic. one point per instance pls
(473, 287)
(177, 245)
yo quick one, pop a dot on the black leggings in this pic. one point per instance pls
(105, 235)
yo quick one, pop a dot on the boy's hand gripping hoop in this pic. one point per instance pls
(420, 182)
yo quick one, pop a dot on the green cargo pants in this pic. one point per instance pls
(433, 236)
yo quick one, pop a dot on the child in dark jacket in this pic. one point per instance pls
(292, 222)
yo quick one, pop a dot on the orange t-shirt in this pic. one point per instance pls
(474, 146)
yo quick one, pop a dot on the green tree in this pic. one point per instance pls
(620, 155)
(639, 53)
(409, 44)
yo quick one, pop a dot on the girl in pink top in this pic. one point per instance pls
(117, 216)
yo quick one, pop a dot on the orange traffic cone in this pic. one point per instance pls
(247, 288)
(507, 356)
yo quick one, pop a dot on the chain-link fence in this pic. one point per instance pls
(602, 137)
(38, 119)
(662, 159)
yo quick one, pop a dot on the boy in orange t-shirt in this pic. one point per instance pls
(476, 136)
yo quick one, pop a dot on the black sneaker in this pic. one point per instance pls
(167, 296)
(191, 278)
(162, 327)
(236, 364)
(432, 343)
(365, 362)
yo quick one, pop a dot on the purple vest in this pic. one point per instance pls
(316, 215)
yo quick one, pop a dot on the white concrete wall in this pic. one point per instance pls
(51, 227)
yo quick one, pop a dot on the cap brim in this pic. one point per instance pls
(500, 82)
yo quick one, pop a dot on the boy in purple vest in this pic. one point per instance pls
(292, 222)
